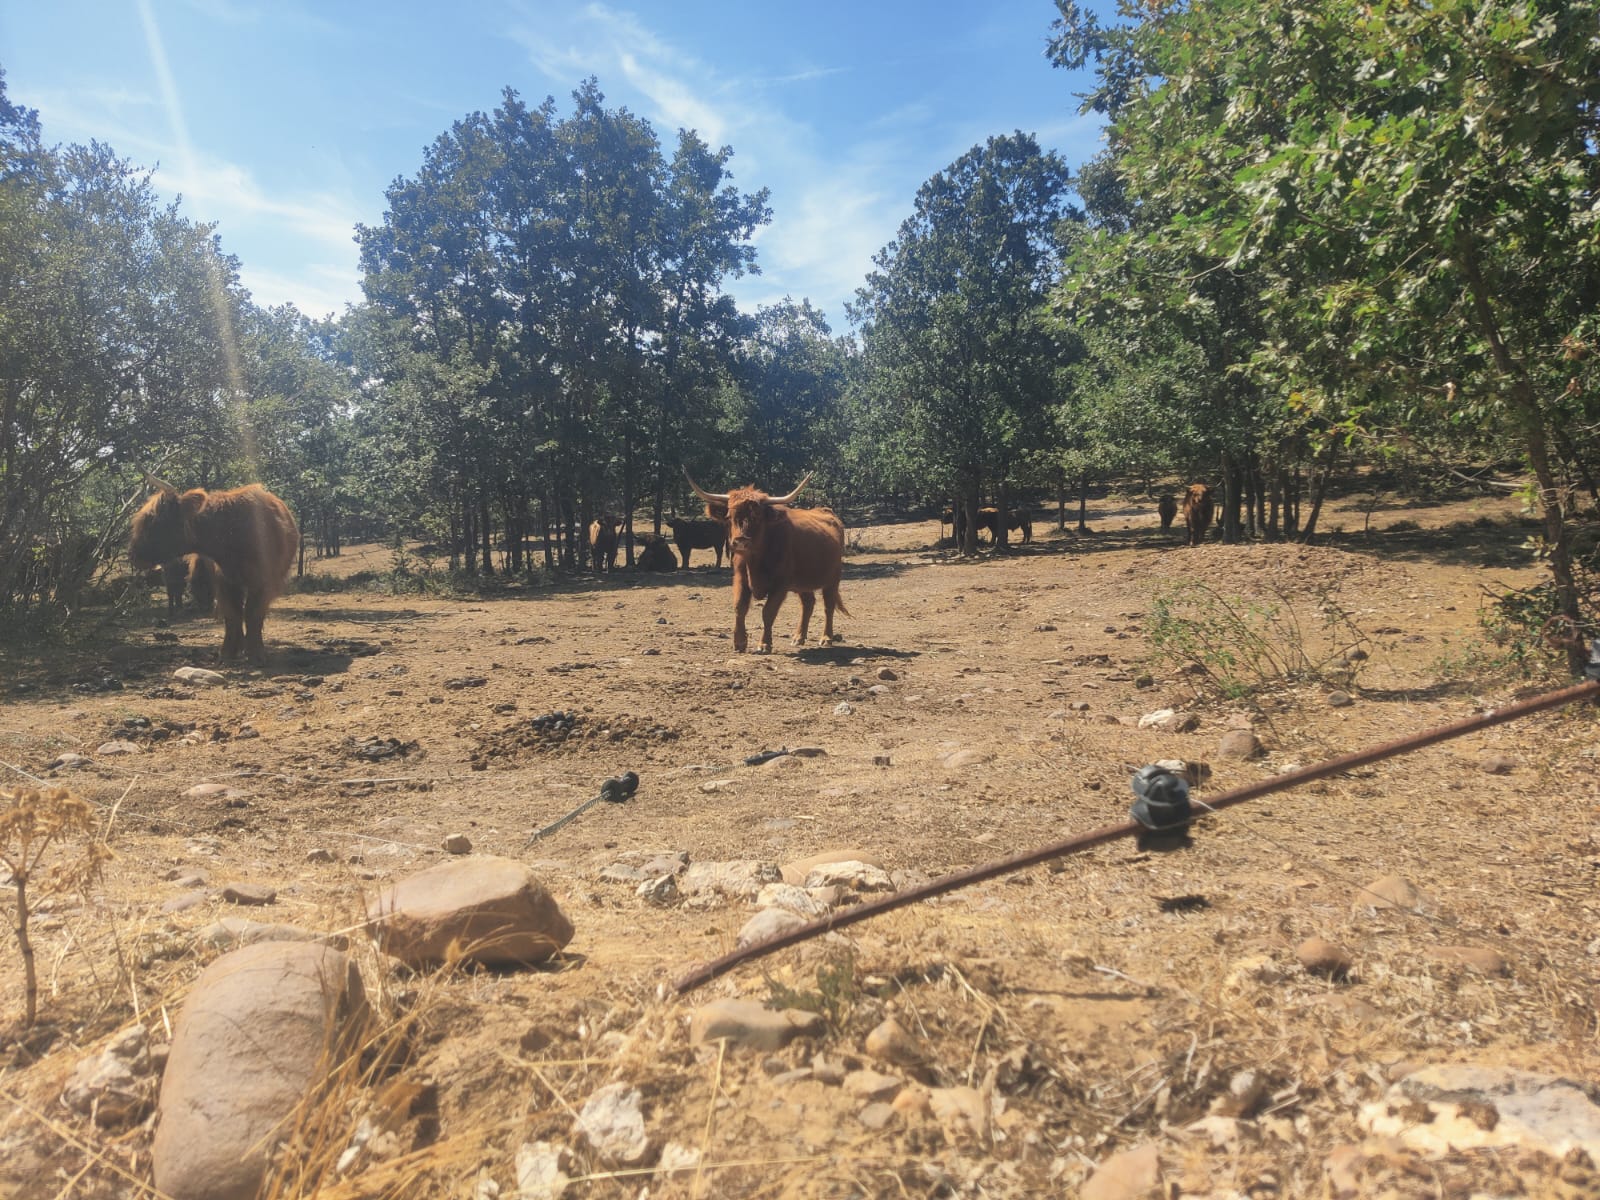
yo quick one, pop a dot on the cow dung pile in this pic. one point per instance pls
(569, 732)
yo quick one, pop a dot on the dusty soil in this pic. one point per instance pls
(1097, 1003)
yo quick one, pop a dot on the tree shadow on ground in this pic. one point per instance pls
(842, 655)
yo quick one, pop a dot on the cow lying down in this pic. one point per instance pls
(777, 550)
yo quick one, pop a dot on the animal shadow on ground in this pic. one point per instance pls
(839, 655)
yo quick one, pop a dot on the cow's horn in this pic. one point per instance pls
(157, 482)
(701, 492)
(798, 489)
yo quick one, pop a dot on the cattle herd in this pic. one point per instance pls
(238, 546)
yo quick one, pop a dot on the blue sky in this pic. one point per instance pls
(283, 122)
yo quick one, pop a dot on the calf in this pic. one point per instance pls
(1167, 506)
(1016, 518)
(195, 574)
(655, 554)
(1197, 512)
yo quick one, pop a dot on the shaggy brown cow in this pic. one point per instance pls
(196, 575)
(693, 533)
(1197, 512)
(989, 518)
(655, 554)
(777, 550)
(1167, 506)
(247, 532)
(603, 543)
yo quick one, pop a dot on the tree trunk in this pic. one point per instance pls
(1083, 504)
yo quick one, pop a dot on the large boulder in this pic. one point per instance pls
(481, 909)
(261, 1029)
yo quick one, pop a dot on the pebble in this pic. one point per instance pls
(843, 709)
(889, 1042)
(1497, 764)
(70, 760)
(967, 758)
(961, 1112)
(1340, 700)
(1170, 721)
(768, 923)
(1393, 891)
(1322, 957)
(876, 1115)
(872, 1085)
(753, 1025)
(1239, 743)
(1132, 1175)
(250, 893)
(319, 855)
(887, 674)
(1481, 959)
(539, 1171)
(114, 748)
(612, 1121)
(200, 675)
(457, 843)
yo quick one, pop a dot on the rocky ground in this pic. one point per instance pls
(1130, 1021)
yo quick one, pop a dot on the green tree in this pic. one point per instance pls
(956, 365)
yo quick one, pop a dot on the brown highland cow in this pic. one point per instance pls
(247, 532)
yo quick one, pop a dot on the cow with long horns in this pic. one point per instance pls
(246, 532)
(778, 550)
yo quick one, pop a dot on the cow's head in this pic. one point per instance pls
(747, 510)
(158, 527)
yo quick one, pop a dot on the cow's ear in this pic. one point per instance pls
(192, 501)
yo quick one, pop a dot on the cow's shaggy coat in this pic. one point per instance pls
(1197, 512)
(247, 532)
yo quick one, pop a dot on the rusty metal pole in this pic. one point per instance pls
(1110, 833)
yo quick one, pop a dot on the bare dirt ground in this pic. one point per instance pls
(1096, 1004)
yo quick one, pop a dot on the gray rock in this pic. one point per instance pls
(612, 1121)
(250, 894)
(116, 1087)
(232, 932)
(661, 890)
(540, 1173)
(119, 747)
(1476, 1107)
(1169, 720)
(857, 876)
(636, 866)
(260, 1029)
(485, 909)
(69, 760)
(795, 872)
(1340, 699)
(1393, 891)
(750, 1024)
(768, 923)
(876, 1115)
(457, 843)
(795, 899)
(889, 1042)
(319, 855)
(1240, 743)
(200, 676)
(741, 879)
(967, 758)
(872, 1085)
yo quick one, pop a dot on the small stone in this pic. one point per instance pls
(1497, 764)
(876, 1115)
(69, 761)
(677, 1157)
(796, 899)
(1244, 1092)
(1239, 743)
(808, 752)
(872, 1085)
(1322, 957)
(320, 854)
(887, 674)
(716, 785)
(751, 1024)
(827, 1070)
(843, 709)
(795, 872)
(250, 893)
(612, 1121)
(1144, 681)
(206, 791)
(961, 1112)
(663, 889)
(1393, 891)
(1132, 1175)
(967, 758)
(114, 748)
(889, 1042)
(539, 1171)
(458, 843)
(1169, 720)
(857, 876)
(913, 1101)
(200, 676)
(246, 732)
(740, 879)
(766, 924)
(1340, 699)
(184, 902)
(1481, 959)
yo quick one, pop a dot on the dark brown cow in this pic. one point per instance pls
(989, 518)
(655, 554)
(777, 550)
(196, 575)
(1167, 506)
(696, 533)
(603, 543)
(247, 532)
(1197, 512)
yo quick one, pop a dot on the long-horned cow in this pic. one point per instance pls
(1197, 512)
(777, 550)
(246, 532)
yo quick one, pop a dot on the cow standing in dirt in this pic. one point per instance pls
(1197, 512)
(193, 574)
(777, 550)
(246, 532)
(603, 543)
(1167, 507)
(695, 533)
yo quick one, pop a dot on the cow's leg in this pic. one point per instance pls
(230, 601)
(741, 606)
(808, 603)
(769, 614)
(255, 616)
(830, 601)
(683, 549)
